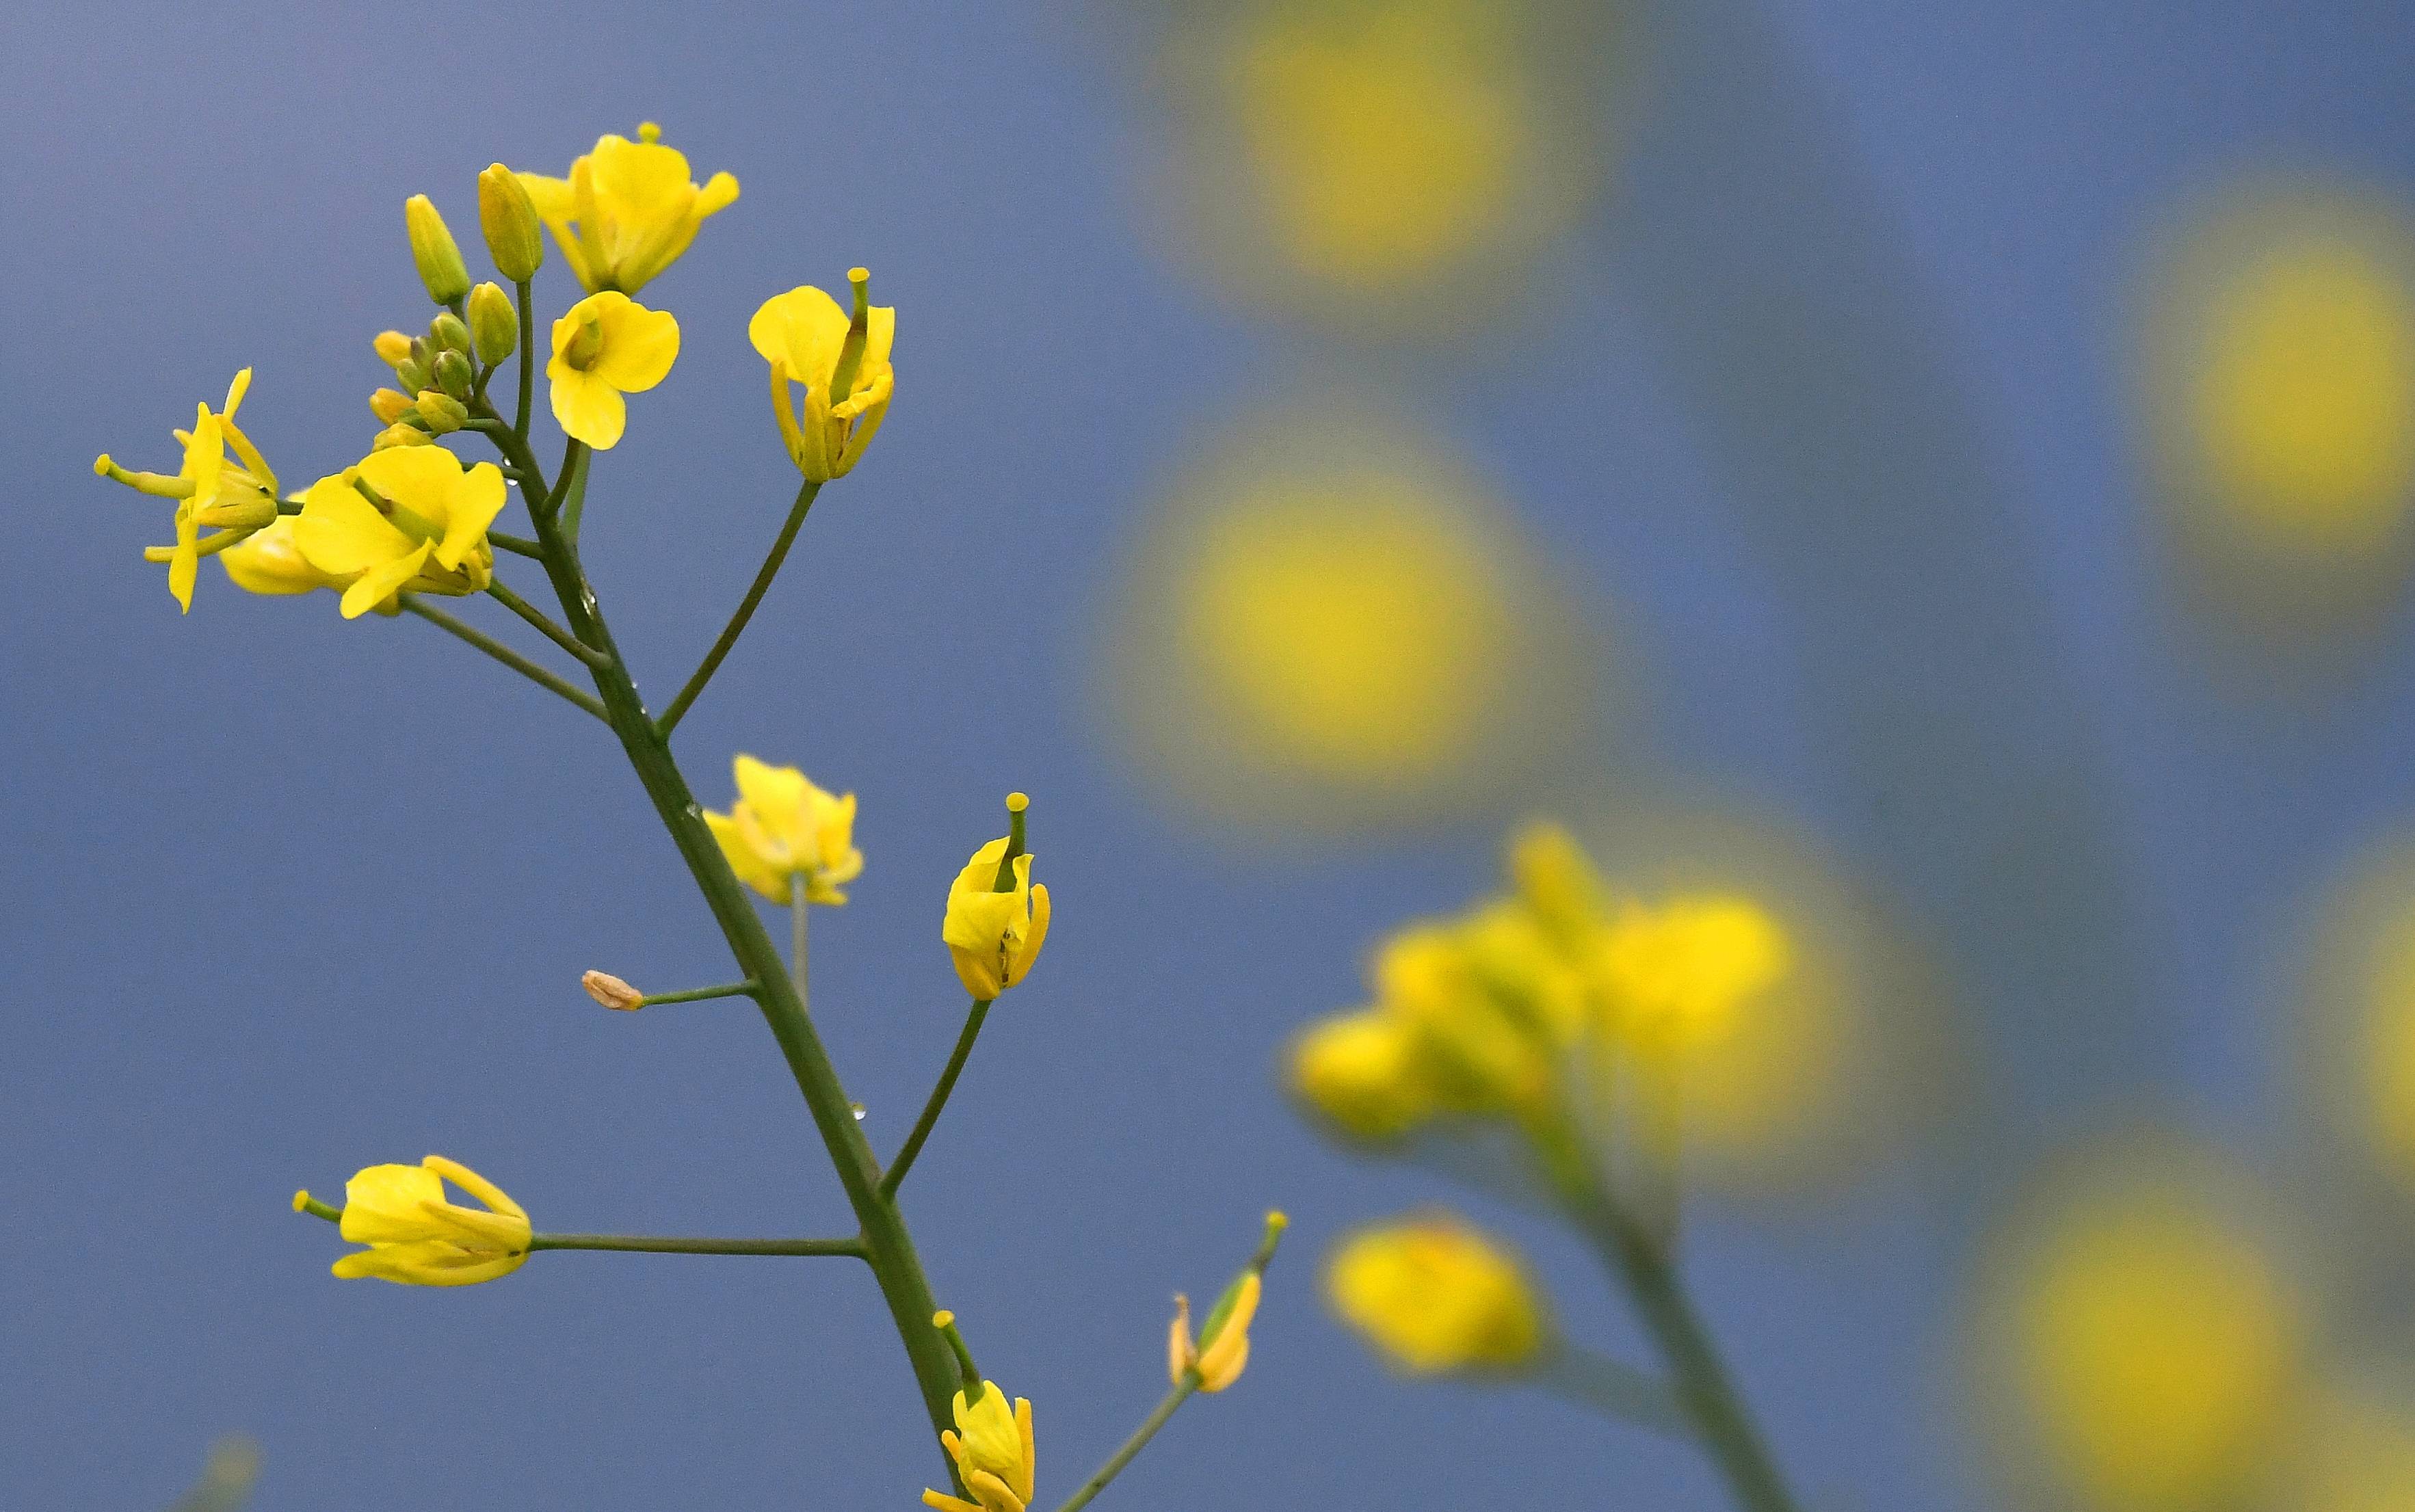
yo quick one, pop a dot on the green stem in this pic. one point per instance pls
(1615, 1387)
(1133, 1445)
(528, 363)
(1698, 1380)
(938, 1099)
(798, 909)
(644, 1244)
(737, 625)
(889, 1247)
(699, 995)
(504, 654)
(543, 624)
(518, 546)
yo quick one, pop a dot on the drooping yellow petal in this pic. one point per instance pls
(589, 409)
(383, 581)
(341, 533)
(269, 561)
(639, 346)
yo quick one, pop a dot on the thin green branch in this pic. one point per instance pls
(1613, 1388)
(737, 625)
(528, 363)
(496, 648)
(1139, 1440)
(938, 1099)
(543, 624)
(518, 546)
(699, 995)
(644, 1244)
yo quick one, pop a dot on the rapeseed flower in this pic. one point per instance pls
(418, 1237)
(1222, 1351)
(421, 525)
(1434, 1297)
(627, 210)
(238, 497)
(1365, 1072)
(992, 1447)
(810, 341)
(606, 345)
(994, 934)
(270, 561)
(1680, 974)
(784, 831)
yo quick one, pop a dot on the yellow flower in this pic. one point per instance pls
(627, 210)
(240, 498)
(1435, 1296)
(783, 828)
(1488, 1045)
(809, 341)
(1680, 973)
(994, 936)
(1557, 882)
(271, 562)
(418, 1237)
(427, 531)
(606, 346)
(992, 1447)
(1365, 1072)
(1217, 1360)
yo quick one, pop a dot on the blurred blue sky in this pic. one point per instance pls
(282, 896)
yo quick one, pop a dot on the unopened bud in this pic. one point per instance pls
(509, 220)
(400, 434)
(447, 332)
(393, 347)
(494, 325)
(412, 374)
(389, 405)
(434, 250)
(453, 375)
(613, 991)
(444, 413)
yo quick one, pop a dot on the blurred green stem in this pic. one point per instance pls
(1613, 1386)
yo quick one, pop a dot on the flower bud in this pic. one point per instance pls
(444, 413)
(1436, 1297)
(434, 250)
(494, 325)
(509, 220)
(393, 347)
(613, 991)
(447, 333)
(389, 405)
(399, 435)
(412, 374)
(453, 375)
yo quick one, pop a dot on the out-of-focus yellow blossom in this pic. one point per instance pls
(416, 1236)
(1365, 1072)
(2360, 1458)
(2151, 1346)
(2383, 1098)
(1435, 1296)
(992, 1447)
(627, 210)
(427, 531)
(811, 342)
(783, 830)
(269, 561)
(1679, 974)
(606, 346)
(238, 497)
(1222, 1350)
(1490, 1040)
(993, 935)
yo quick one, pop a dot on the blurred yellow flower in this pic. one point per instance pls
(237, 498)
(810, 341)
(992, 1447)
(627, 210)
(1364, 1072)
(994, 936)
(416, 1236)
(2149, 1345)
(604, 346)
(1679, 974)
(1435, 1296)
(783, 830)
(2360, 964)
(425, 532)
(2360, 1458)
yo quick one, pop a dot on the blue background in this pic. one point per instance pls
(284, 896)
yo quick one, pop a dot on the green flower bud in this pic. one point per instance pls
(441, 411)
(494, 325)
(509, 220)
(412, 374)
(447, 333)
(433, 249)
(453, 374)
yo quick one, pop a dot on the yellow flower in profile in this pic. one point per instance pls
(425, 531)
(1434, 1297)
(993, 935)
(270, 561)
(783, 830)
(239, 497)
(1679, 974)
(1222, 1351)
(627, 210)
(418, 1237)
(811, 342)
(2152, 1348)
(992, 1447)
(606, 345)
(1365, 1072)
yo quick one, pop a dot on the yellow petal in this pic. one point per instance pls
(423, 481)
(1034, 933)
(777, 797)
(340, 533)
(802, 331)
(478, 497)
(475, 1184)
(383, 1203)
(268, 561)
(752, 868)
(719, 193)
(587, 407)
(383, 581)
(639, 346)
